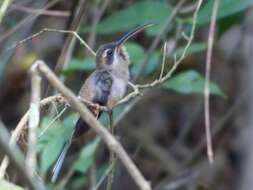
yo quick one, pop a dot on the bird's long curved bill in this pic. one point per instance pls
(131, 33)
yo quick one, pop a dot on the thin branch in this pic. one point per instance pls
(138, 87)
(96, 18)
(79, 13)
(26, 20)
(219, 126)
(18, 160)
(34, 119)
(52, 122)
(54, 30)
(40, 11)
(135, 93)
(107, 172)
(21, 126)
(3, 8)
(112, 158)
(164, 59)
(85, 114)
(97, 106)
(159, 37)
(207, 81)
(188, 8)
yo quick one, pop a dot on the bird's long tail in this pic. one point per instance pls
(81, 128)
(59, 162)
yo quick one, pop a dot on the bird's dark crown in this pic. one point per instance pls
(112, 54)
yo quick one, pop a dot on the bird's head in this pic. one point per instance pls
(113, 55)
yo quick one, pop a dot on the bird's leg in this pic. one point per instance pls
(94, 105)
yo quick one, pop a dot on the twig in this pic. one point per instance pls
(207, 81)
(96, 18)
(17, 158)
(219, 126)
(66, 53)
(107, 172)
(164, 59)
(159, 37)
(132, 95)
(135, 87)
(34, 119)
(85, 114)
(112, 155)
(40, 11)
(178, 182)
(97, 106)
(138, 87)
(3, 8)
(188, 8)
(21, 125)
(26, 20)
(52, 122)
(53, 30)
(65, 179)
(23, 121)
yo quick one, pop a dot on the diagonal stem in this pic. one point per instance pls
(87, 116)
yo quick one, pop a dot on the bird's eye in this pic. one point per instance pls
(109, 53)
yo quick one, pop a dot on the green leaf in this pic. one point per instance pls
(137, 55)
(77, 64)
(150, 67)
(136, 14)
(188, 82)
(226, 8)
(135, 51)
(51, 142)
(86, 157)
(194, 48)
(50, 153)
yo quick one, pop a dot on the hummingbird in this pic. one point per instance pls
(106, 86)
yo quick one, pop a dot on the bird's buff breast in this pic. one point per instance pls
(118, 90)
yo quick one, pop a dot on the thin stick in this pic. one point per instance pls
(137, 87)
(52, 122)
(107, 172)
(85, 114)
(112, 155)
(21, 125)
(54, 30)
(207, 81)
(68, 47)
(56, 13)
(3, 8)
(34, 119)
(18, 160)
(159, 37)
(26, 20)
(97, 16)
(164, 59)
(177, 62)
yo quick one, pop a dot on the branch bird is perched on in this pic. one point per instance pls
(105, 86)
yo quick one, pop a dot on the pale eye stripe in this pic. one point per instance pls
(105, 52)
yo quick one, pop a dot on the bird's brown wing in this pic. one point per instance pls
(97, 87)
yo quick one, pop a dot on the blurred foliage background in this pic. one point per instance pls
(164, 130)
